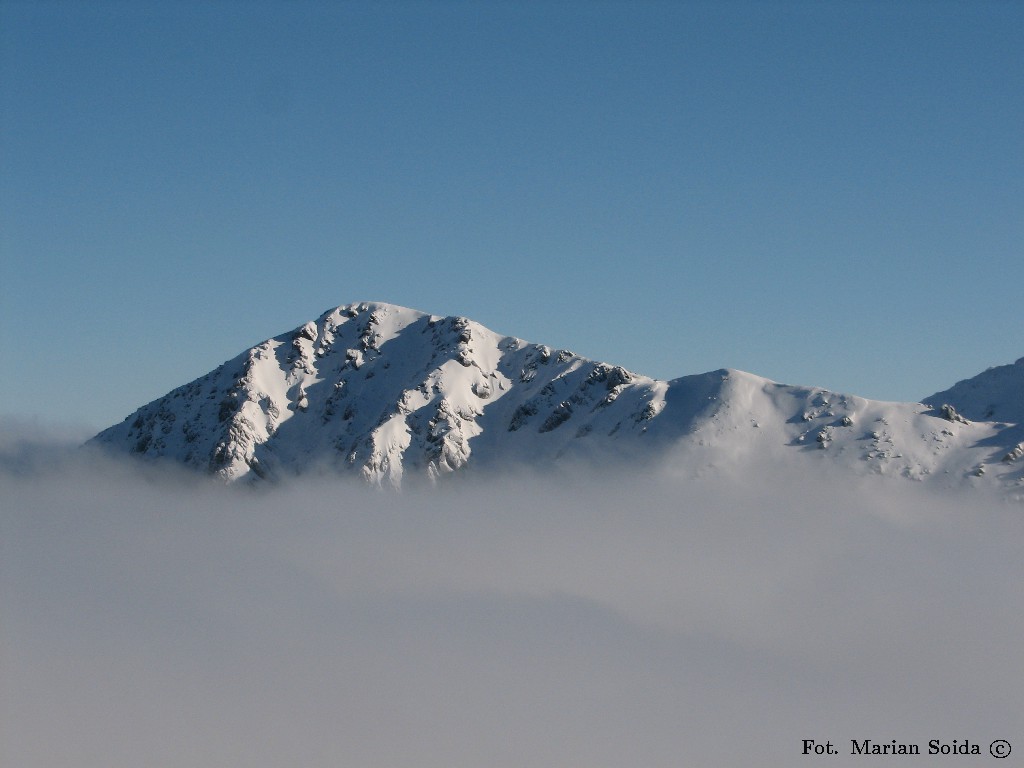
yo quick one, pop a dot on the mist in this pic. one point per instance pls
(616, 620)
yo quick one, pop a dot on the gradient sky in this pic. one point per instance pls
(821, 193)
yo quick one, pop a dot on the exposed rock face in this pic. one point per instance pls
(388, 393)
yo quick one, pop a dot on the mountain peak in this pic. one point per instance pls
(391, 393)
(996, 394)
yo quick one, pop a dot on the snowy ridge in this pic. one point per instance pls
(391, 393)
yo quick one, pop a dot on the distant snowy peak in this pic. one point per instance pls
(384, 389)
(994, 395)
(390, 393)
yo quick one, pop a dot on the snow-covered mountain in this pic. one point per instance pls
(392, 393)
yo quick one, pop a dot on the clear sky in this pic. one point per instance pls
(821, 193)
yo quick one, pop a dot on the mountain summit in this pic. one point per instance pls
(392, 393)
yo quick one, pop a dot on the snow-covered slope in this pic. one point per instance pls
(996, 398)
(392, 393)
(995, 395)
(386, 390)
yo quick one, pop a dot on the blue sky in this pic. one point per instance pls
(827, 194)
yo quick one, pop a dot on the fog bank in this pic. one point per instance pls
(612, 621)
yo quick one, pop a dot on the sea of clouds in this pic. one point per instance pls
(148, 618)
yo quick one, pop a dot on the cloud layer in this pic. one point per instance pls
(570, 621)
